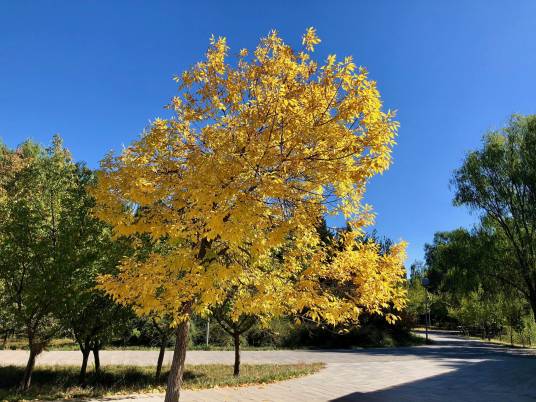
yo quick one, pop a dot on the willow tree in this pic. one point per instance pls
(258, 151)
(499, 181)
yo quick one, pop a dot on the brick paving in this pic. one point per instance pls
(453, 369)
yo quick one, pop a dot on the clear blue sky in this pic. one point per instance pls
(98, 71)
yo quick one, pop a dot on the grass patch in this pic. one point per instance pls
(55, 344)
(61, 382)
(65, 344)
(501, 342)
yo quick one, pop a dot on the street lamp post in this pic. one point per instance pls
(207, 337)
(425, 282)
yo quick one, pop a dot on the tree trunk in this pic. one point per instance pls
(83, 368)
(236, 337)
(96, 357)
(27, 379)
(512, 336)
(161, 357)
(533, 303)
(177, 365)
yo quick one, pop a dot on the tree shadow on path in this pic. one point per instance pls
(501, 375)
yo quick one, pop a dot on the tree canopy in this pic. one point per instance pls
(259, 149)
(257, 152)
(499, 181)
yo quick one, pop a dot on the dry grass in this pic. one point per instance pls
(61, 382)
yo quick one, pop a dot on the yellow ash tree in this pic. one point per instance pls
(260, 148)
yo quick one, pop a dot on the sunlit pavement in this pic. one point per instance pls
(453, 369)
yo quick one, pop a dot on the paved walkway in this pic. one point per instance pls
(453, 369)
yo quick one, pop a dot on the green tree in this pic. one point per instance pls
(90, 316)
(7, 320)
(478, 311)
(465, 264)
(51, 250)
(453, 262)
(37, 199)
(93, 319)
(499, 180)
(417, 298)
(512, 308)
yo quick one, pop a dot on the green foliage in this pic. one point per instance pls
(469, 276)
(487, 276)
(7, 317)
(452, 260)
(37, 210)
(417, 298)
(513, 310)
(478, 313)
(499, 181)
(91, 317)
(52, 249)
(374, 331)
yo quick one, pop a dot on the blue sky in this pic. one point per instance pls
(98, 71)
